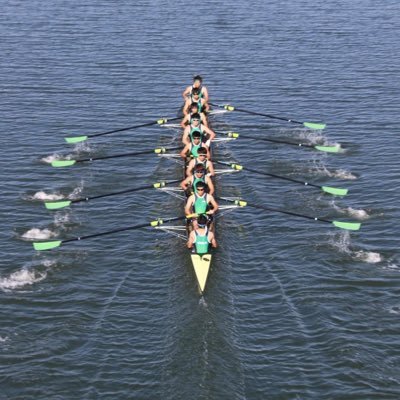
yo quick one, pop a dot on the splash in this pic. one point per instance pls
(339, 173)
(77, 191)
(54, 157)
(36, 233)
(369, 257)
(21, 278)
(47, 196)
(360, 215)
(343, 245)
(61, 219)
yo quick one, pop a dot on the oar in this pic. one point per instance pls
(351, 226)
(68, 163)
(77, 139)
(311, 125)
(328, 149)
(40, 246)
(55, 205)
(326, 189)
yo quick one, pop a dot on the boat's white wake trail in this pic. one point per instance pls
(343, 245)
(36, 233)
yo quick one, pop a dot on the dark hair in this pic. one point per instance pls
(202, 150)
(194, 105)
(200, 185)
(196, 91)
(202, 220)
(196, 134)
(196, 116)
(198, 78)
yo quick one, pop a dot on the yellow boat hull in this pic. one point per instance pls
(201, 266)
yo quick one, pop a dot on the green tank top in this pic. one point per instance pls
(201, 242)
(193, 150)
(200, 203)
(196, 180)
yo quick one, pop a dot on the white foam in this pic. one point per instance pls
(36, 233)
(369, 257)
(77, 191)
(47, 196)
(3, 339)
(21, 278)
(358, 214)
(54, 157)
(61, 219)
(340, 173)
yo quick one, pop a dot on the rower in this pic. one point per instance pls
(190, 149)
(201, 159)
(194, 109)
(197, 84)
(195, 98)
(201, 237)
(201, 203)
(199, 175)
(207, 133)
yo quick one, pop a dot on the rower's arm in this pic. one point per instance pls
(186, 92)
(210, 166)
(212, 239)
(191, 240)
(205, 94)
(184, 152)
(208, 152)
(189, 204)
(186, 107)
(214, 204)
(210, 132)
(210, 185)
(184, 122)
(204, 120)
(185, 184)
(185, 137)
(190, 167)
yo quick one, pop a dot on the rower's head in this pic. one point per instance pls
(195, 118)
(199, 170)
(202, 152)
(196, 137)
(197, 81)
(200, 187)
(196, 92)
(194, 108)
(202, 221)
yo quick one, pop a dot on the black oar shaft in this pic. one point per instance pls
(124, 155)
(128, 228)
(267, 115)
(276, 141)
(130, 128)
(137, 189)
(280, 177)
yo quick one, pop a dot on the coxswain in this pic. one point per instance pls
(201, 202)
(197, 84)
(202, 237)
(190, 149)
(187, 119)
(201, 159)
(206, 133)
(195, 98)
(199, 175)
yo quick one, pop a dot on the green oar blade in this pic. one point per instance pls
(55, 205)
(334, 191)
(75, 139)
(40, 246)
(313, 125)
(62, 163)
(328, 149)
(350, 226)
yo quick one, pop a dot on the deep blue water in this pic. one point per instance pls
(294, 308)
